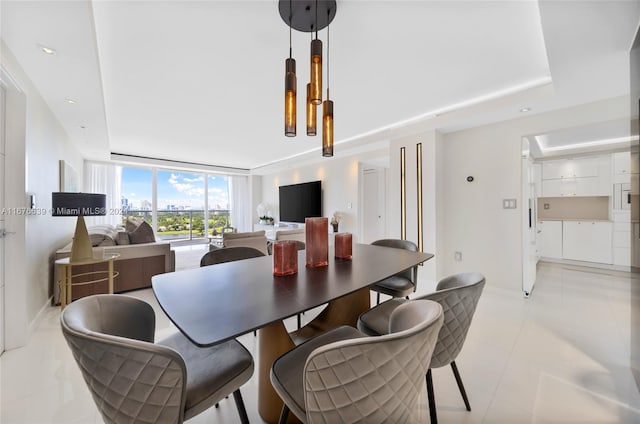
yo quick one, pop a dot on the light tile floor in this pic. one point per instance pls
(560, 356)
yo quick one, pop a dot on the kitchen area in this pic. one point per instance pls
(576, 186)
(583, 209)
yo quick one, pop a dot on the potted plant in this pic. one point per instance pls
(264, 214)
(335, 220)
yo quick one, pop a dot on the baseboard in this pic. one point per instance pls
(570, 262)
(33, 325)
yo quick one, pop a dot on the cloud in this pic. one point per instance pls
(184, 185)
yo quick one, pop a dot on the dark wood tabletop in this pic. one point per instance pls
(216, 303)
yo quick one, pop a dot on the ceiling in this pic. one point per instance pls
(203, 81)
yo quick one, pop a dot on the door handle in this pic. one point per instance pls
(4, 233)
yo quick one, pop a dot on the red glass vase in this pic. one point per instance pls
(343, 243)
(317, 241)
(285, 257)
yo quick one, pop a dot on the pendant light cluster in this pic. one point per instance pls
(309, 16)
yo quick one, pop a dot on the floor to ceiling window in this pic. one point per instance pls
(137, 193)
(218, 203)
(179, 205)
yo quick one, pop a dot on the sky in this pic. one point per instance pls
(180, 189)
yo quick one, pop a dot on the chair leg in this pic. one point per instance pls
(456, 374)
(284, 414)
(255, 333)
(244, 419)
(378, 299)
(218, 405)
(299, 321)
(432, 399)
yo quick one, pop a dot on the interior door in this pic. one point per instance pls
(373, 201)
(2, 215)
(529, 250)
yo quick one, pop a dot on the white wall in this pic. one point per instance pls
(432, 189)
(34, 155)
(489, 237)
(458, 215)
(339, 178)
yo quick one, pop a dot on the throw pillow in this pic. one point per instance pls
(130, 226)
(142, 234)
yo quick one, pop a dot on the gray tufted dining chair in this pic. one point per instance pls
(134, 380)
(229, 254)
(403, 283)
(458, 294)
(343, 376)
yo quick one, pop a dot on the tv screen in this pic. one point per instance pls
(299, 201)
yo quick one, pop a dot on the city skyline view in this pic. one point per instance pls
(176, 190)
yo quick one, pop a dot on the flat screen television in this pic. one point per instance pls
(299, 201)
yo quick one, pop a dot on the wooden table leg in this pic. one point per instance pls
(68, 283)
(273, 341)
(343, 311)
(110, 276)
(62, 285)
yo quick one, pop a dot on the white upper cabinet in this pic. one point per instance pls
(621, 167)
(570, 168)
(588, 176)
(622, 163)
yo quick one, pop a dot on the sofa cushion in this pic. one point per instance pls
(122, 238)
(102, 235)
(142, 234)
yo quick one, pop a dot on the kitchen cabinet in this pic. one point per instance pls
(622, 237)
(588, 176)
(549, 239)
(570, 168)
(587, 186)
(621, 167)
(589, 241)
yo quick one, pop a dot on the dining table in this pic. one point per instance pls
(216, 303)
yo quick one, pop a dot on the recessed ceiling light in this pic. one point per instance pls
(70, 101)
(46, 50)
(525, 109)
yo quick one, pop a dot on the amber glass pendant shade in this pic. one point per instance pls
(285, 257)
(343, 243)
(316, 71)
(312, 118)
(327, 128)
(316, 241)
(290, 98)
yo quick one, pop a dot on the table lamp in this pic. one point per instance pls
(80, 205)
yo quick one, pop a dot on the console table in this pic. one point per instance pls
(91, 277)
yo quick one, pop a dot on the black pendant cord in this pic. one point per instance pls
(316, 19)
(328, 67)
(290, 12)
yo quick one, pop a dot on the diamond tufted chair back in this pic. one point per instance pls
(458, 294)
(374, 379)
(131, 379)
(229, 254)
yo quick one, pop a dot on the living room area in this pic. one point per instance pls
(162, 108)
